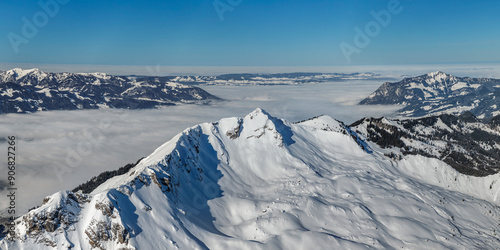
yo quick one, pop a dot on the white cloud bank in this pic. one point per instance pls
(77, 145)
(48, 140)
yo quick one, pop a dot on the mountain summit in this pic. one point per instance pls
(437, 92)
(259, 182)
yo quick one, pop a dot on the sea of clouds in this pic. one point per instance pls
(58, 150)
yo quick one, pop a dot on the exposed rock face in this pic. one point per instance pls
(99, 232)
(464, 142)
(64, 213)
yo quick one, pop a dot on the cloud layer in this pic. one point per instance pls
(58, 150)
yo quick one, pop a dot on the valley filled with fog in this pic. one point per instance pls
(58, 150)
(249, 125)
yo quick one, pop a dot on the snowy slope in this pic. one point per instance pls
(259, 182)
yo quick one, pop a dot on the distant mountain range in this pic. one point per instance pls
(437, 93)
(259, 182)
(27, 91)
(24, 91)
(274, 79)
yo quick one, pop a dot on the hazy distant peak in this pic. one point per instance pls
(19, 73)
(437, 73)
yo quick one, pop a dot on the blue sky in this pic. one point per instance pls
(254, 33)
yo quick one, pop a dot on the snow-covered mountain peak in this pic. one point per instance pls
(258, 112)
(18, 73)
(256, 128)
(437, 74)
(324, 122)
(438, 77)
(258, 117)
(97, 75)
(260, 125)
(209, 188)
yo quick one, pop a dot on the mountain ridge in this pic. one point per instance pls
(259, 182)
(27, 91)
(469, 145)
(437, 93)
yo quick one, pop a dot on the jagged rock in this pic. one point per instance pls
(468, 145)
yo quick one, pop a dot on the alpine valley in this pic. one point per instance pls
(260, 182)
